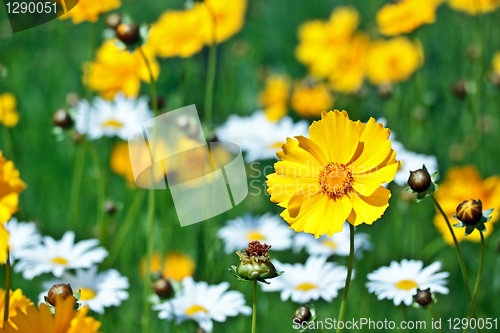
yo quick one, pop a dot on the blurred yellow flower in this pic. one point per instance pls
(275, 95)
(394, 60)
(8, 114)
(334, 175)
(496, 63)
(464, 183)
(229, 17)
(17, 303)
(89, 10)
(474, 7)
(65, 320)
(178, 266)
(155, 266)
(405, 16)
(310, 99)
(10, 187)
(120, 162)
(115, 69)
(4, 244)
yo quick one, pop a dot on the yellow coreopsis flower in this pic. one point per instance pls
(65, 320)
(406, 15)
(120, 162)
(8, 114)
(274, 97)
(10, 187)
(115, 69)
(178, 266)
(334, 175)
(309, 99)
(474, 7)
(89, 10)
(464, 183)
(17, 303)
(229, 17)
(4, 244)
(394, 60)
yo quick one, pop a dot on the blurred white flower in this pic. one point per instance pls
(23, 235)
(337, 244)
(203, 303)
(258, 136)
(57, 256)
(268, 228)
(317, 278)
(97, 290)
(111, 118)
(400, 281)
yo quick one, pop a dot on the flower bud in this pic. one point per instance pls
(113, 20)
(109, 207)
(255, 263)
(63, 290)
(459, 89)
(128, 33)
(62, 119)
(470, 212)
(423, 297)
(419, 180)
(162, 288)
(302, 314)
(160, 102)
(385, 90)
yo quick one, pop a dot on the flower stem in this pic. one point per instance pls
(76, 185)
(152, 82)
(457, 247)
(478, 282)
(254, 311)
(101, 188)
(209, 88)
(435, 317)
(8, 281)
(349, 275)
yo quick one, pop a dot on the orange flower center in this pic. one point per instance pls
(335, 180)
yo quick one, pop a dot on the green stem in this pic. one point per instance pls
(76, 186)
(457, 247)
(435, 317)
(101, 188)
(209, 88)
(8, 281)
(349, 275)
(254, 311)
(478, 282)
(127, 225)
(92, 38)
(152, 82)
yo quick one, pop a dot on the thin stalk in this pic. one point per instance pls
(8, 282)
(435, 317)
(101, 188)
(349, 275)
(76, 183)
(152, 82)
(209, 88)
(478, 283)
(254, 311)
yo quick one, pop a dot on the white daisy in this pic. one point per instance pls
(203, 303)
(317, 278)
(268, 228)
(400, 281)
(338, 244)
(22, 236)
(258, 136)
(56, 257)
(111, 118)
(98, 291)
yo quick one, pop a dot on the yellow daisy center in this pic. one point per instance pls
(306, 286)
(255, 235)
(195, 308)
(406, 284)
(335, 180)
(59, 260)
(86, 294)
(112, 123)
(329, 243)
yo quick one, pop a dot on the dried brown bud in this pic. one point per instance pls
(419, 180)
(113, 20)
(128, 33)
(423, 297)
(302, 314)
(109, 207)
(62, 119)
(256, 248)
(63, 290)
(470, 212)
(459, 89)
(385, 90)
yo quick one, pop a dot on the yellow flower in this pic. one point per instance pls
(310, 99)
(394, 60)
(334, 175)
(178, 266)
(229, 17)
(10, 187)
(17, 303)
(8, 114)
(350, 59)
(474, 7)
(274, 97)
(181, 33)
(155, 266)
(496, 63)
(120, 162)
(464, 183)
(4, 244)
(115, 69)
(405, 16)
(65, 320)
(89, 10)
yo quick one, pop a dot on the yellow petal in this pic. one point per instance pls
(369, 209)
(282, 188)
(312, 148)
(376, 147)
(366, 183)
